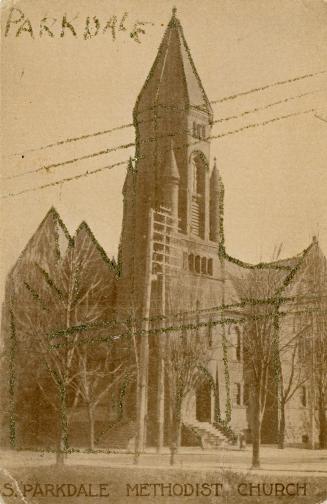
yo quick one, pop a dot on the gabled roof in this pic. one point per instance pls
(288, 270)
(50, 238)
(173, 80)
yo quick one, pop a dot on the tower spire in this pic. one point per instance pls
(173, 79)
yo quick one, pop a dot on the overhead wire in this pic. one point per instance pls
(213, 102)
(92, 172)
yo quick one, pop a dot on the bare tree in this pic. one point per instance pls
(312, 290)
(53, 308)
(320, 371)
(38, 311)
(260, 340)
(290, 381)
(130, 336)
(100, 370)
(185, 355)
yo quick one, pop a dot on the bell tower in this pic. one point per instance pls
(173, 105)
(173, 120)
(170, 182)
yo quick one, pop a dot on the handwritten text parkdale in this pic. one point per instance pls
(19, 24)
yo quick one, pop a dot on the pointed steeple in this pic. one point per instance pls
(171, 169)
(170, 182)
(216, 181)
(173, 80)
(129, 179)
(216, 205)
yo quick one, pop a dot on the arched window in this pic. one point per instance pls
(246, 394)
(203, 265)
(198, 131)
(203, 132)
(303, 396)
(198, 173)
(210, 333)
(210, 267)
(195, 176)
(191, 262)
(237, 394)
(197, 264)
(237, 344)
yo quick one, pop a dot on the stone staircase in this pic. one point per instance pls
(121, 435)
(210, 436)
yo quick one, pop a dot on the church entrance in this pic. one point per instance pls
(203, 403)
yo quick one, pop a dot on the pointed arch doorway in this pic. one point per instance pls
(203, 403)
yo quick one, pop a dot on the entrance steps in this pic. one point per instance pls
(210, 436)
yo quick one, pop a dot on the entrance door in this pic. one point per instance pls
(203, 403)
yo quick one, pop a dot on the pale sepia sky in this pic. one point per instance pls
(56, 88)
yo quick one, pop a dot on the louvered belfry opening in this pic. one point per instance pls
(195, 216)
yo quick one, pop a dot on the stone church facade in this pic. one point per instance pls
(172, 244)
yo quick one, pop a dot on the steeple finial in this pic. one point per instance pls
(215, 171)
(130, 163)
(174, 10)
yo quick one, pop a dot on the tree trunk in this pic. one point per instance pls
(142, 386)
(322, 425)
(161, 396)
(62, 445)
(142, 395)
(179, 435)
(281, 430)
(176, 432)
(256, 433)
(91, 426)
(60, 453)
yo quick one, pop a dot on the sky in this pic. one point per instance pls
(55, 88)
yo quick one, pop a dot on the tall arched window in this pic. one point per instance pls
(237, 343)
(195, 177)
(191, 262)
(198, 171)
(303, 396)
(197, 264)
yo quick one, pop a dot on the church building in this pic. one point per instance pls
(172, 251)
(173, 274)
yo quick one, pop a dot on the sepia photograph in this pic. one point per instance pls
(163, 252)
